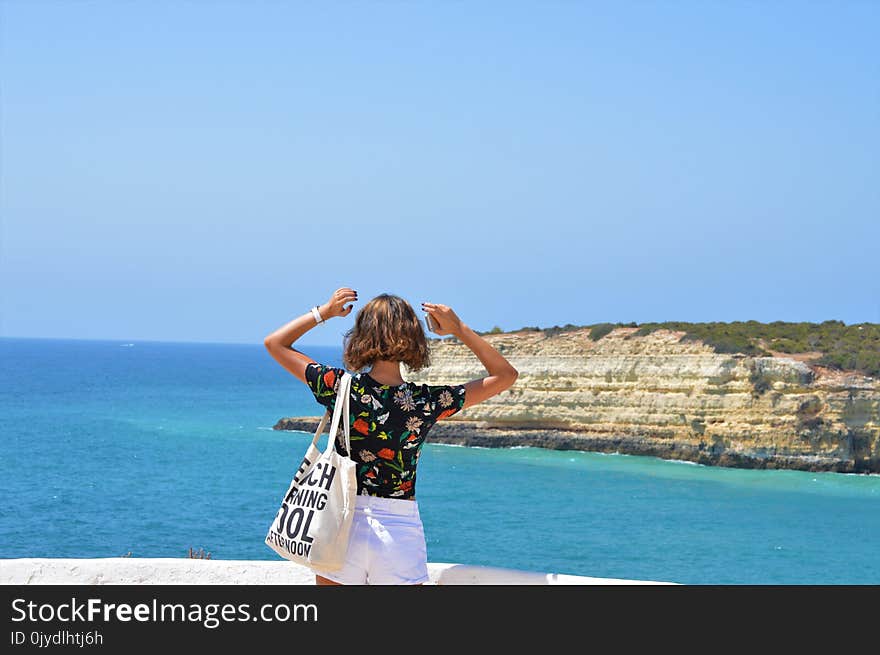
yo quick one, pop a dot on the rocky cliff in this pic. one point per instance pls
(663, 396)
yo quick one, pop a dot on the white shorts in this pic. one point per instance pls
(387, 545)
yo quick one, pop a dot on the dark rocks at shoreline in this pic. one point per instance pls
(479, 434)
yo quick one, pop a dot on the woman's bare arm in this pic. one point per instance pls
(280, 341)
(501, 374)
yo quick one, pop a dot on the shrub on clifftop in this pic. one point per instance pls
(600, 330)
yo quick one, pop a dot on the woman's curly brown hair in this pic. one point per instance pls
(386, 328)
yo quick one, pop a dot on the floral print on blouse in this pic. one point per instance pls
(388, 423)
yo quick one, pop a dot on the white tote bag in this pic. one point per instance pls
(312, 525)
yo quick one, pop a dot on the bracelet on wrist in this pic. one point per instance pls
(317, 315)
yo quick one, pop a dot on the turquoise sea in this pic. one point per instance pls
(153, 448)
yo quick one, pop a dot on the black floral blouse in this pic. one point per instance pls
(389, 424)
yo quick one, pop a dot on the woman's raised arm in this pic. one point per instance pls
(501, 374)
(280, 341)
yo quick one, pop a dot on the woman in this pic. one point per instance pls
(389, 419)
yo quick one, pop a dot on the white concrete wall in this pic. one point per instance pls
(134, 570)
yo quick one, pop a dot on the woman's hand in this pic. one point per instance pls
(447, 322)
(336, 305)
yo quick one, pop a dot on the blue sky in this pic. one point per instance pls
(208, 171)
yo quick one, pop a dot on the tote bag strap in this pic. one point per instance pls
(320, 429)
(340, 410)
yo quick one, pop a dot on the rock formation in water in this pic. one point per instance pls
(663, 396)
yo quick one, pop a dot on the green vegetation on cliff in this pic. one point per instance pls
(833, 343)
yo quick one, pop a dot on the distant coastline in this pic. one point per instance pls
(734, 398)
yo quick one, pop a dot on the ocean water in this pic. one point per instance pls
(153, 448)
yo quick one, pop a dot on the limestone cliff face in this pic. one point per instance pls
(661, 396)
